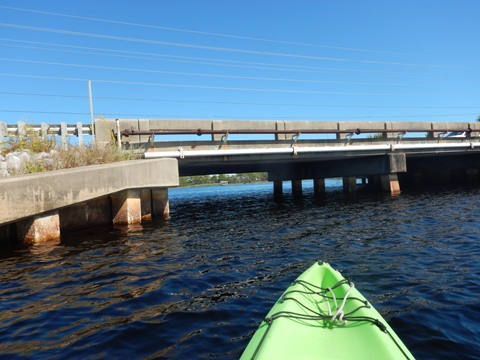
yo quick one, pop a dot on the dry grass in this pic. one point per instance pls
(89, 155)
(57, 157)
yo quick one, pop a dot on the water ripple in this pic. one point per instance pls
(197, 286)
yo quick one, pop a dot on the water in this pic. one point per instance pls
(197, 286)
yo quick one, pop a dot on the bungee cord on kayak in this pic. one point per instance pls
(330, 307)
(322, 292)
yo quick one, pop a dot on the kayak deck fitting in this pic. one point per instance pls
(323, 316)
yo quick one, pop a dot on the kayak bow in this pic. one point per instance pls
(323, 316)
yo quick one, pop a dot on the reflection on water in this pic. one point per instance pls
(198, 285)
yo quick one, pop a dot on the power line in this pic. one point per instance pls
(205, 47)
(241, 37)
(216, 62)
(158, 42)
(203, 74)
(45, 77)
(43, 94)
(313, 92)
(238, 102)
(153, 54)
(169, 60)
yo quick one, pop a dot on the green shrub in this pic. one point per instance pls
(30, 142)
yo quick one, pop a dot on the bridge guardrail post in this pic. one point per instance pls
(79, 133)
(431, 135)
(280, 125)
(217, 125)
(44, 130)
(385, 134)
(3, 132)
(288, 126)
(21, 131)
(104, 129)
(340, 136)
(475, 129)
(144, 125)
(64, 134)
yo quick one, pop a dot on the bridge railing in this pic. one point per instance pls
(138, 131)
(81, 132)
(142, 131)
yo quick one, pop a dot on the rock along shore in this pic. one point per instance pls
(23, 162)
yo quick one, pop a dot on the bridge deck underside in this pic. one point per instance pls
(310, 166)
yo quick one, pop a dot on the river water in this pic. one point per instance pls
(197, 286)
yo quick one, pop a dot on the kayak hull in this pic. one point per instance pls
(323, 316)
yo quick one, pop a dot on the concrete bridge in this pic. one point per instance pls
(384, 155)
(381, 154)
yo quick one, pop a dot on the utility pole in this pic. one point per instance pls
(91, 107)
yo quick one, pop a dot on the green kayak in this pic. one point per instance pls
(323, 316)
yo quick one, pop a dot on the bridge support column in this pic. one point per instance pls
(127, 207)
(160, 205)
(319, 187)
(297, 187)
(349, 184)
(40, 228)
(146, 204)
(390, 183)
(277, 188)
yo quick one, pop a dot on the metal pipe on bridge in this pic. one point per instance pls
(358, 131)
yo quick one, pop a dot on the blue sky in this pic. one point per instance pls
(217, 59)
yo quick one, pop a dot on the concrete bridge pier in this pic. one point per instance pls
(380, 170)
(297, 187)
(160, 204)
(277, 188)
(297, 190)
(39, 228)
(390, 183)
(127, 207)
(319, 187)
(349, 184)
(134, 206)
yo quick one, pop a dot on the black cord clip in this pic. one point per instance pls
(381, 325)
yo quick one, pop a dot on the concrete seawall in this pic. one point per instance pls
(37, 207)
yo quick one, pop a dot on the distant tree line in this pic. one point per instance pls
(223, 178)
